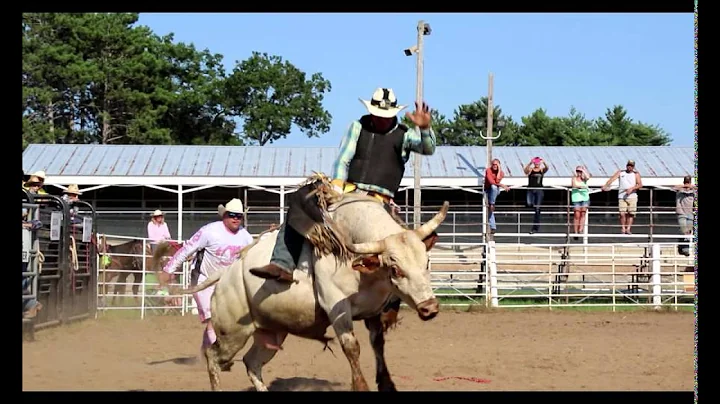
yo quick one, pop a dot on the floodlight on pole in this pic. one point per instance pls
(423, 29)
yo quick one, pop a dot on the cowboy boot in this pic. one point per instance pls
(273, 271)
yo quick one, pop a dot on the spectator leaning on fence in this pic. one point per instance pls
(580, 198)
(535, 170)
(684, 204)
(493, 178)
(628, 185)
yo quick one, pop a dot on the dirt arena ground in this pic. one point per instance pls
(501, 351)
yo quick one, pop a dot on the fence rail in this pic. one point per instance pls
(146, 296)
(501, 275)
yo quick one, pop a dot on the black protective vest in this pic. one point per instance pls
(378, 157)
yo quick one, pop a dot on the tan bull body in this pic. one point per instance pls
(327, 292)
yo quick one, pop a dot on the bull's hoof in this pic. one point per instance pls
(387, 386)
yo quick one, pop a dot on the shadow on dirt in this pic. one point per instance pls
(302, 384)
(183, 360)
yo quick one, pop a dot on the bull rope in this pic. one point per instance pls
(73, 254)
(324, 237)
(40, 259)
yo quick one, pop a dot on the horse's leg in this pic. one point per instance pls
(120, 287)
(377, 340)
(265, 346)
(102, 279)
(137, 281)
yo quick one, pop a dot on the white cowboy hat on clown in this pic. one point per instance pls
(383, 103)
(234, 206)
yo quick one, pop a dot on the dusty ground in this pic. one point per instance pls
(456, 351)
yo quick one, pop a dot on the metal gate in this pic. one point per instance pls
(61, 260)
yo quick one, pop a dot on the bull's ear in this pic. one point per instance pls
(431, 240)
(366, 264)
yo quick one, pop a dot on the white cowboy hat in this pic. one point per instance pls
(383, 103)
(72, 189)
(36, 178)
(235, 206)
(158, 212)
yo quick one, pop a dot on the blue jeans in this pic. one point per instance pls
(492, 194)
(26, 284)
(534, 200)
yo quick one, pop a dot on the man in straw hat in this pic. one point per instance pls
(220, 242)
(372, 159)
(70, 195)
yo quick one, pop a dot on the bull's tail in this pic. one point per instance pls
(160, 251)
(211, 280)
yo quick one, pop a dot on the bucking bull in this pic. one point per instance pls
(381, 259)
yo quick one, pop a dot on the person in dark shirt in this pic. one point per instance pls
(535, 170)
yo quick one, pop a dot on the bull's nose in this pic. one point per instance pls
(428, 309)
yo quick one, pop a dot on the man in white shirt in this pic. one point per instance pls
(629, 182)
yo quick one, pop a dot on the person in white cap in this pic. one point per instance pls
(372, 159)
(220, 243)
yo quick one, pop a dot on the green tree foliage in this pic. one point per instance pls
(540, 129)
(271, 94)
(100, 78)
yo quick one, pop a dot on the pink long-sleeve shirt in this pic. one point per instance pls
(221, 248)
(158, 233)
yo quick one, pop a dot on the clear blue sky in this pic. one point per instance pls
(592, 61)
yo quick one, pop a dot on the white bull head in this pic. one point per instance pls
(404, 256)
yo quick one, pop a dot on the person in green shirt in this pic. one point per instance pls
(580, 198)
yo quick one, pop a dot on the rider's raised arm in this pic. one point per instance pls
(199, 240)
(420, 140)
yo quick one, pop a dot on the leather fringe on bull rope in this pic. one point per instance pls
(326, 238)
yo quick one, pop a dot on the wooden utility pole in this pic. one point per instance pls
(417, 157)
(488, 140)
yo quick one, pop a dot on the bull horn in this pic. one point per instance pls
(427, 228)
(370, 247)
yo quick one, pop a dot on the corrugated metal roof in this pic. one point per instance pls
(271, 161)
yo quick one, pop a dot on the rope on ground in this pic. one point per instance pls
(470, 379)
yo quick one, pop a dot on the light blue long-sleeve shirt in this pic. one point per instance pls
(415, 140)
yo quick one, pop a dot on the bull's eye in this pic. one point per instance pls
(396, 272)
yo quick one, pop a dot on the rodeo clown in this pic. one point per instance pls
(217, 244)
